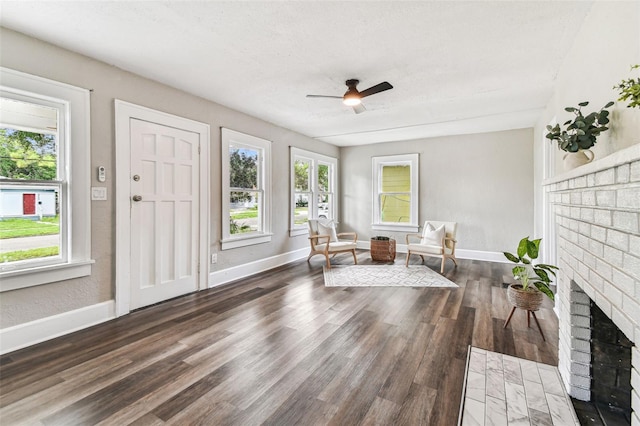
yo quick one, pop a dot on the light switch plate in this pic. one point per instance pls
(98, 193)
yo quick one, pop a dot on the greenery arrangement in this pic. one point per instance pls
(380, 238)
(629, 90)
(527, 252)
(582, 131)
(27, 155)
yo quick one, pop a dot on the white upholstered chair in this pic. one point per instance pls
(325, 241)
(438, 239)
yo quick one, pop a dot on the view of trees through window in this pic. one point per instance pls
(29, 195)
(245, 195)
(303, 185)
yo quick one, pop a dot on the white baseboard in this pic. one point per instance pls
(224, 276)
(30, 333)
(489, 256)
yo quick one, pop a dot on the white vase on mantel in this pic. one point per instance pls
(571, 160)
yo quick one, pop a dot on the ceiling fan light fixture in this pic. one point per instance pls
(351, 99)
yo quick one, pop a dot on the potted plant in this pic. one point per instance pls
(576, 136)
(534, 279)
(629, 90)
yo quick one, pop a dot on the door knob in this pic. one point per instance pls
(137, 198)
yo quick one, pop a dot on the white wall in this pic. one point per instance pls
(36, 57)
(482, 181)
(604, 50)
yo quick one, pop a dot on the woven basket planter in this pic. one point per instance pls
(529, 300)
(383, 250)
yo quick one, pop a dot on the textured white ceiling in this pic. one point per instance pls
(456, 67)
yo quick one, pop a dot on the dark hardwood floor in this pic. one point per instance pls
(278, 349)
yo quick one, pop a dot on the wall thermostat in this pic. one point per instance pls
(102, 174)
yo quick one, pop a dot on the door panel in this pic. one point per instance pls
(28, 204)
(164, 222)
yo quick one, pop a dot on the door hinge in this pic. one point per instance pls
(198, 149)
(198, 267)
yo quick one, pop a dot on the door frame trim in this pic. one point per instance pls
(124, 112)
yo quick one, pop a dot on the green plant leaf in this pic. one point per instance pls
(570, 109)
(609, 104)
(583, 103)
(532, 249)
(511, 257)
(522, 247)
(542, 274)
(545, 289)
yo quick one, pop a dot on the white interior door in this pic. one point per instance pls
(164, 212)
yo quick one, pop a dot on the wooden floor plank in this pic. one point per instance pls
(278, 348)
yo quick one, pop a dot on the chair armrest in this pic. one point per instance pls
(352, 234)
(409, 236)
(315, 239)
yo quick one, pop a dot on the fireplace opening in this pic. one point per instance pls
(610, 370)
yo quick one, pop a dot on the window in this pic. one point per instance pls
(44, 181)
(395, 197)
(313, 181)
(246, 183)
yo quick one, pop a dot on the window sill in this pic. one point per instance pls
(13, 280)
(298, 231)
(395, 228)
(232, 243)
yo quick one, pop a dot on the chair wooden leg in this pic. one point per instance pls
(328, 262)
(506, 323)
(442, 265)
(406, 263)
(539, 328)
(355, 258)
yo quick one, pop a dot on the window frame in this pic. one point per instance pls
(315, 160)
(411, 160)
(74, 145)
(229, 138)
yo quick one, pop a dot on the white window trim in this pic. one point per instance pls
(392, 160)
(78, 163)
(229, 241)
(315, 158)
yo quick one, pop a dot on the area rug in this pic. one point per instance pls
(384, 276)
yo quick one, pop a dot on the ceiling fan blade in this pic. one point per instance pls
(358, 109)
(324, 96)
(376, 89)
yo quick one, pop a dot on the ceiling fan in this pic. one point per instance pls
(353, 98)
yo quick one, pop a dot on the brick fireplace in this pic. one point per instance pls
(597, 232)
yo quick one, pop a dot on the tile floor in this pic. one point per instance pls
(504, 390)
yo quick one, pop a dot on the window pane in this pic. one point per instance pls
(244, 212)
(302, 175)
(243, 168)
(301, 214)
(323, 177)
(30, 224)
(395, 208)
(324, 206)
(396, 178)
(28, 155)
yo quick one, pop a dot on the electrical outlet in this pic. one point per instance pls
(214, 258)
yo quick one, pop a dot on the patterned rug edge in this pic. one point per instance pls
(384, 276)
